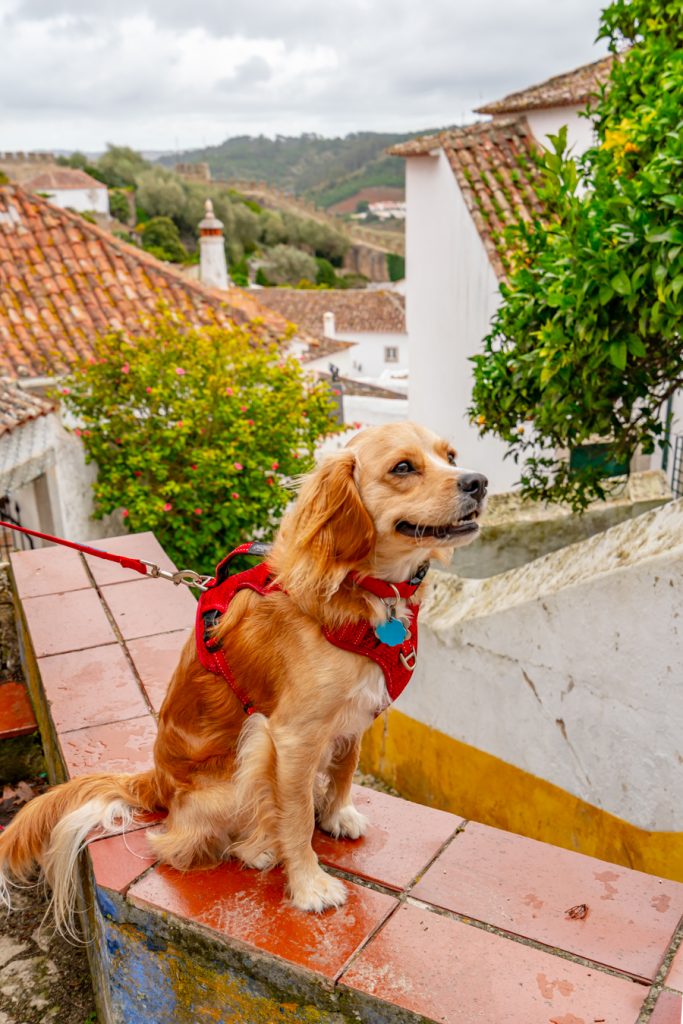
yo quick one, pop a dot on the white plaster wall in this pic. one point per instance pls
(451, 295)
(370, 411)
(570, 667)
(368, 351)
(546, 122)
(81, 199)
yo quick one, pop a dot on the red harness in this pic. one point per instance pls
(397, 663)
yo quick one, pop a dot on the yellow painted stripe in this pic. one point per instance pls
(432, 768)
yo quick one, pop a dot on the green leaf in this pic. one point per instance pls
(617, 354)
(621, 283)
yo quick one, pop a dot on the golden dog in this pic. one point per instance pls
(252, 787)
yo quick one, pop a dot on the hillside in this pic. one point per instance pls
(326, 170)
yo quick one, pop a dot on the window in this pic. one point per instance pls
(390, 353)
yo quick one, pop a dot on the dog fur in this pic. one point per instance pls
(253, 787)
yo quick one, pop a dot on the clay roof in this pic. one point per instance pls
(63, 281)
(53, 179)
(566, 90)
(18, 406)
(355, 310)
(326, 347)
(495, 165)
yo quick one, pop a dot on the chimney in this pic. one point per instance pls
(212, 267)
(328, 325)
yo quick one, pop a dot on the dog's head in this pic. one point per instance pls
(392, 498)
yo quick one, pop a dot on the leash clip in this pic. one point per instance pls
(188, 577)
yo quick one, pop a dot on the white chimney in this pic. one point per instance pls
(213, 270)
(328, 325)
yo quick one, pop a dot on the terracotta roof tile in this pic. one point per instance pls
(494, 163)
(355, 310)
(566, 90)
(64, 280)
(59, 178)
(18, 406)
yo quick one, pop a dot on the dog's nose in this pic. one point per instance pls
(474, 484)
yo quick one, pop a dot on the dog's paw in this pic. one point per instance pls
(318, 892)
(346, 823)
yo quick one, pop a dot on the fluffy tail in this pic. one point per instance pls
(51, 830)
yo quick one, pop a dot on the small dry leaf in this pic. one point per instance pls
(577, 913)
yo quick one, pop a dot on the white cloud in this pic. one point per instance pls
(158, 74)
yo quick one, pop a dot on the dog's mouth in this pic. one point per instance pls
(466, 525)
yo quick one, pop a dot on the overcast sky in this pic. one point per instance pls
(168, 74)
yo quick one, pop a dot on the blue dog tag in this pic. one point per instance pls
(392, 632)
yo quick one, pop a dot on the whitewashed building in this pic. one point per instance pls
(70, 188)
(463, 187)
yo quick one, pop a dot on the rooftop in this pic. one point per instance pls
(64, 281)
(356, 310)
(567, 90)
(54, 179)
(18, 406)
(494, 163)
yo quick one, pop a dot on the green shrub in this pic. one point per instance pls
(262, 279)
(196, 433)
(160, 237)
(239, 273)
(326, 273)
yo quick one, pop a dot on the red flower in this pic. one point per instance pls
(148, 390)
(197, 511)
(276, 465)
(138, 472)
(238, 466)
(168, 506)
(269, 481)
(77, 431)
(180, 423)
(125, 368)
(243, 408)
(193, 467)
(66, 391)
(234, 496)
(124, 513)
(179, 370)
(229, 391)
(250, 422)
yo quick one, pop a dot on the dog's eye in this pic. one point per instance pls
(403, 468)
(451, 458)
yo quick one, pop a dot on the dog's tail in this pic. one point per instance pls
(51, 830)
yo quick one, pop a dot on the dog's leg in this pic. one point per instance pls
(338, 816)
(298, 756)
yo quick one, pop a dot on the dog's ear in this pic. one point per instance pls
(331, 521)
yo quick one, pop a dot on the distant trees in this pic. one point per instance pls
(168, 210)
(287, 265)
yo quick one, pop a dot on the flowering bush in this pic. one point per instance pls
(196, 433)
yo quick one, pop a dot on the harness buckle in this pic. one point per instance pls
(410, 661)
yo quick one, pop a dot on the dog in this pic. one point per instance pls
(253, 785)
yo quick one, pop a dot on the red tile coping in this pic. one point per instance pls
(137, 613)
(408, 947)
(614, 916)
(16, 713)
(51, 570)
(675, 976)
(67, 622)
(249, 908)
(155, 658)
(91, 687)
(401, 841)
(668, 1009)
(452, 972)
(119, 860)
(114, 747)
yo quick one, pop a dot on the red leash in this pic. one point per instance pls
(186, 576)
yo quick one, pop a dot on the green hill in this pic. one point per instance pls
(325, 170)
